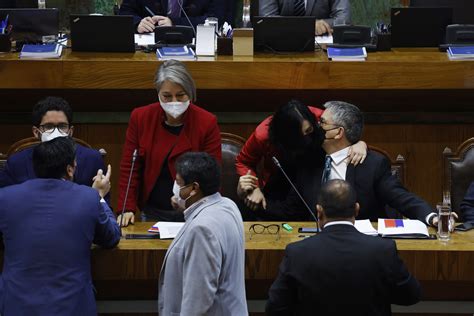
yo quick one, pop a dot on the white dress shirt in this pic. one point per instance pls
(339, 164)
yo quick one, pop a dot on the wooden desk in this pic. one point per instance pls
(399, 69)
(132, 270)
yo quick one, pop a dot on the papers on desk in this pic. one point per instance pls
(394, 228)
(41, 51)
(167, 230)
(461, 53)
(326, 39)
(365, 226)
(347, 54)
(402, 228)
(145, 39)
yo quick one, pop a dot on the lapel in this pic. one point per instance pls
(204, 203)
(350, 174)
(309, 7)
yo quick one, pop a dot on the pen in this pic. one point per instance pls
(149, 11)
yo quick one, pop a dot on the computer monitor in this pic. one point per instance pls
(97, 33)
(419, 27)
(463, 10)
(30, 25)
(284, 33)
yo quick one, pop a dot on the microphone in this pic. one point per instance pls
(180, 3)
(134, 157)
(277, 163)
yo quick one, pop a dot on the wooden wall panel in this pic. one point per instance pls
(421, 145)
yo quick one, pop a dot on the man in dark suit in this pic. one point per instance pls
(48, 226)
(169, 12)
(341, 271)
(373, 181)
(327, 12)
(52, 117)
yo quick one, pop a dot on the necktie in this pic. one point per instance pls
(327, 170)
(173, 9)
(299, 8)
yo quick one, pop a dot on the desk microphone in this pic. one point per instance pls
(180, 3)
(277, 163)
(134, 157)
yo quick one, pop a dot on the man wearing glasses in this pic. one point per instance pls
(342, 124)
(52, 117)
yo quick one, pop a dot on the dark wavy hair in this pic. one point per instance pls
(285, 126)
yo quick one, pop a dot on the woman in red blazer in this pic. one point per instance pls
(295, 131)
(161, 132)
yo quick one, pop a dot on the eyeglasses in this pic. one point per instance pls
(323, 122)
(272, 229)
(49, 128)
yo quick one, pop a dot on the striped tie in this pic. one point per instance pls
(327, 170)
(299, 8)
(173, 9)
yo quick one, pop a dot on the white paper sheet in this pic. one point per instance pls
(168, 229)
(365, 227)
(145, 39)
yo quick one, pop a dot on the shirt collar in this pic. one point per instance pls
(340, 155)
(338, 223)
(190, 210)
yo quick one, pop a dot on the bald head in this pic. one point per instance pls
(337, 200)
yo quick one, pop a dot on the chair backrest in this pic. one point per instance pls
(398, 170)
(31, 141)
(231, 146)
(458, 172)
(397, 165)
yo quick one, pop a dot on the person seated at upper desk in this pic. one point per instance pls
(52, 117)
(48, 226)
(341, 271)
(161, 132)
(149, 14)
(373, 181)
(467, 205)
(325, 11)
(291, 135)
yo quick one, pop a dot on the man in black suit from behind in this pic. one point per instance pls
(342, 125)
(341, 271)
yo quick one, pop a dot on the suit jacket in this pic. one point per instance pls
(197, 10)
(203, 270)
(321, 9)
(467, 205)
(146, 133)
(19, 167)
(373, 182)
(341, 272)
(48, 227)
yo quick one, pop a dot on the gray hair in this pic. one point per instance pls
(349, 117)
(176, 72)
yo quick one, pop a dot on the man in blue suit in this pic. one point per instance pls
(48, 226)
(52, 117)
(148, 14)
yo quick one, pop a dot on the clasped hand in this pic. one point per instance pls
(149, 23)
(248, 190)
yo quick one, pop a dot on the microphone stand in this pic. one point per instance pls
(134, 158)
(277, 163)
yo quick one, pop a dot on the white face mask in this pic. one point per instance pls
(176, 190)
(46, 137)
(174, 109)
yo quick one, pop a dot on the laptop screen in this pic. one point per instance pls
(284, 33)
(30, 25)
